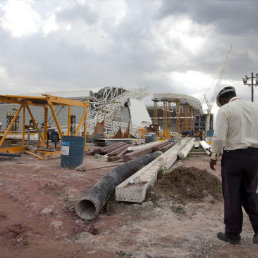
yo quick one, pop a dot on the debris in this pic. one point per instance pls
(98, 156)
(81, 168)
(57, 224)
(83, 235)
(15, 234)
(46, 211)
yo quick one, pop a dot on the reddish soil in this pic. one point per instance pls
(37, 217)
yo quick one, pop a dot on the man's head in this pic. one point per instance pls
(225, 95)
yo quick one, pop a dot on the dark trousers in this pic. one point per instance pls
(239, 171)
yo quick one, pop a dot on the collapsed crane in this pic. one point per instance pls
(105, 103)
(214, 89)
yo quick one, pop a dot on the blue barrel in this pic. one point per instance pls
(210, 133)
(72, 151)
(154, 137)
(150, 137)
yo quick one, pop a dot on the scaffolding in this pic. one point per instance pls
(46, 102)
(9, 117)
(177, 116)
(184, 117)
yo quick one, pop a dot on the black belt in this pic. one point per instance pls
(241, 150)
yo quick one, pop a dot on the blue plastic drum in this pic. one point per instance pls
(72, 151)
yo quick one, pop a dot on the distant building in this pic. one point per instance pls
(200, 122)
(179, 112)
(200, 119)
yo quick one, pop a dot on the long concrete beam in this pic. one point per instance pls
(182, 154)
(142, 146)
(206, 147)
(136, 154)
(134, 188)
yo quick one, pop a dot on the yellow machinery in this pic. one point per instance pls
(46, 102)
(143, 131)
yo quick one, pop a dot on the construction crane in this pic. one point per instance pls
(214, 90)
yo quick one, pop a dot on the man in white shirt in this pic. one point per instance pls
(236, 136)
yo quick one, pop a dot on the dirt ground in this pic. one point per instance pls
(37, 217)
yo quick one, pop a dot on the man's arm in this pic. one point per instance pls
(219, 138)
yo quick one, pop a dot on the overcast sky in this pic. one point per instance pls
(174, 46)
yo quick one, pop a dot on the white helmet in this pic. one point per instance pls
(223, 91)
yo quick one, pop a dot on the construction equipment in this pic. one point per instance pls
(46, 102)
(214, 89)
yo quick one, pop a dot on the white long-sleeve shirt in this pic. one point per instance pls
(236, 126)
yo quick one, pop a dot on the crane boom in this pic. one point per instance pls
(215, 88)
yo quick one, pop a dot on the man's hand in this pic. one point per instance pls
(213, 163)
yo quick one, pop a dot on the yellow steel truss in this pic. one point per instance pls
(46, 101)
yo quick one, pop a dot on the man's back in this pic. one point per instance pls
(242, 120)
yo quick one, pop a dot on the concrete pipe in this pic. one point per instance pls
(89, 206)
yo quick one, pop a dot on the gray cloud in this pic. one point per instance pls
(230, 17)
(234, 22)
(133, 52)
(78, 12)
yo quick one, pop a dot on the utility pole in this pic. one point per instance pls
(252, 84)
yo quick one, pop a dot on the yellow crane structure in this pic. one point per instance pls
(46, 102)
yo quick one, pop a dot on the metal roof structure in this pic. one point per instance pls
(182, 98)
(109, 100)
